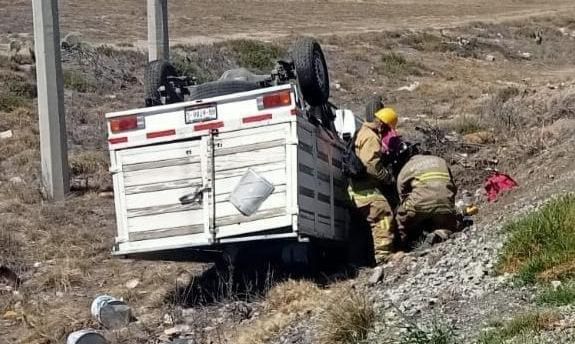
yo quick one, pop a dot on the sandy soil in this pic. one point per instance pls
(201, 21)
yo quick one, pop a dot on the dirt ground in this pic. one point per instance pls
(469, 73)
(203, 21)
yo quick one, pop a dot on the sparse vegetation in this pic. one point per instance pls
(523, 326)
(467, 124)
(395, 64)
(423, 41)
(437, 334)
(541, 246)
(88, 162)
(502, 112)
(558, 296)
(77, 81)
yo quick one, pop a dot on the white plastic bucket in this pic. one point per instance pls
(250, 192)
(87, 336)
(110, 312)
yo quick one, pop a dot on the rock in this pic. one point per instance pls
(133, 283)
(72, 39)
(6, 134)
(556, 284)
(376, 276)
(409, 88)
(16, 180)
(490, 58)
(480, 137)
(10, 315)
(177, 330)
(168, 319)
(26, 68)
(106, 194)
(526, 56)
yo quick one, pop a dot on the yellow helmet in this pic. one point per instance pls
(387, 116)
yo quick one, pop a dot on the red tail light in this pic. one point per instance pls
(274, 100)
(121, 124)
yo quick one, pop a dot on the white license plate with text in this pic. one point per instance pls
(201, 114)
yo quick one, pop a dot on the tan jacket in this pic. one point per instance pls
(368, 150)
(425, 185)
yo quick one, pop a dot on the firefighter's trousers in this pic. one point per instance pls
(373, 205)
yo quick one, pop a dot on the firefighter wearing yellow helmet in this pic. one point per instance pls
(373, 192)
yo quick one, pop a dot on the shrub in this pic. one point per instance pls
(347, 318)
(256, 55)
(541, 246)
(393, 64)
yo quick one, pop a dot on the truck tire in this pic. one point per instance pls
(221, 88)
(311, 70)
(156, 75)
(374, 104)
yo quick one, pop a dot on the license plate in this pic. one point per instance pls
(201, 114)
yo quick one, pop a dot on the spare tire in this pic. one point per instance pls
(221, 88)
(374, 104)
(156, 75)
(311, 70)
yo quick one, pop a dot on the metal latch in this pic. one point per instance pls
(194, 197)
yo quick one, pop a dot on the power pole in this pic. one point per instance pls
(158, 42)
(53, 145)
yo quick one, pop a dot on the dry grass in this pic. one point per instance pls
(286, 302)
(466, 124)
(347, 318)
(341, 313)
(50, 321)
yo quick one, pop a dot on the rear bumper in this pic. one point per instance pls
(171, 244)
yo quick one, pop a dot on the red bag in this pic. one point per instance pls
(497, 183)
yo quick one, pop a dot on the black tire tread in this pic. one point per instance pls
(221, 88)
(302, 53)
(156, 75)
(374, 104)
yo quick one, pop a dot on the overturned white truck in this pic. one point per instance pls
(244, 158)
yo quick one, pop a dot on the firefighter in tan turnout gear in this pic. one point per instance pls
(373, 191)
(427, 192)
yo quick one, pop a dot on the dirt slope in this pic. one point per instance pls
(481, 77)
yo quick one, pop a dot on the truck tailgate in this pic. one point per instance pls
(152, 179)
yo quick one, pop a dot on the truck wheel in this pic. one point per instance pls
(221, 88)
(374, 104)
(156, 75)
(311, 70)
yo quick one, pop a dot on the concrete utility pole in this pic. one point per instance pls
(158, 42)
(53, 146)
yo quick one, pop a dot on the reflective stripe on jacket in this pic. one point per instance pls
(425, 184)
